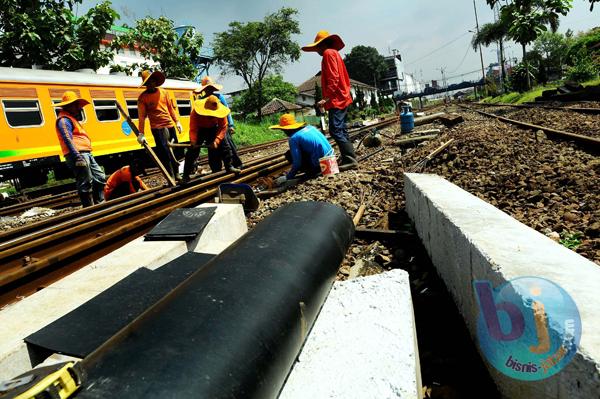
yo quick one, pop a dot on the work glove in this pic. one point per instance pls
(280, 180)
(80, 162)
(179, 127)
(141, 139)
(232, 130)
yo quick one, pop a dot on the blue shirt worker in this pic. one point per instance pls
(76, 147)
(210, 88)
(307, 146)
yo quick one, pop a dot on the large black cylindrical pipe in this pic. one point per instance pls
(235, 327)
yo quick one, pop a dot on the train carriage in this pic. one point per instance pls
(29, 147)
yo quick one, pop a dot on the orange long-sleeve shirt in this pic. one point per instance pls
(335, 82)
(157, 107)
(200, 122)
(122, 176)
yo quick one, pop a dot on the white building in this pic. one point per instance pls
(396, 81)
(123, 56)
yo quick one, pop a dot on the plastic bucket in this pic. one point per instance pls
(329, 166)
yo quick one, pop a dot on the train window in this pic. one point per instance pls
(23, 113)
(81, 117)
(106, 110)
(185, 108)
(132, 109)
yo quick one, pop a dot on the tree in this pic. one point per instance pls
(252, 50)
(365, 64)
(494, 32)
(359, 100)
(157, 40)
(318, 97)
(273, 87)
(527, 19)
(551, 48)
(47, 34)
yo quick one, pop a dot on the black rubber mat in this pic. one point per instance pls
(182, 224)
(81, 331)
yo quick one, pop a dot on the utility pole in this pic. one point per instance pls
(480, 51)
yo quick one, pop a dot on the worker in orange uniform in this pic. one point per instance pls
(335, 84)
(208, 124)
(154, 103)
(76, 147)
(209, 88)
(125, 181)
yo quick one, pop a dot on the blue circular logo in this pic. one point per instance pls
(529, 328)
(126, 128)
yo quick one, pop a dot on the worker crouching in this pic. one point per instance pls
(208, 125)
(76, 147)
(307, 146)
(125, 181)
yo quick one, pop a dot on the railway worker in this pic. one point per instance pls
(209, 88)
(76, 147)
(335, 84)
(208, 124)
(154, 104)
(125, 181)
(307, 146)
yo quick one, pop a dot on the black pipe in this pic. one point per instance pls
(235, 327)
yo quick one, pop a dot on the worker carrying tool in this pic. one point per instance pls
(154, 104)
(335, 84)
(76, 147)
(307, 146)
(208, 124)
(209, 88)
(125, 181)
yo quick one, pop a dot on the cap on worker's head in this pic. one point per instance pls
(211, 106)
(288, 122)
(70, 97)
(335, 42)
(158, 77)
(206, 83)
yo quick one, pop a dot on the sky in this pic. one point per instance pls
(429, 34)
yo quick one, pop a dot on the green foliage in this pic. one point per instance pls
(490, 33)
(373, 103)
(588, 41)
(570, 240)
(584, 68)
(518, 78)
(253, 133)
(550, 49)
(157, 40)
(46, 33)
(254, 49)
(318, 97)
(273, 87)
(365, 64)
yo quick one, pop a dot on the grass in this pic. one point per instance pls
(570, 240)
(529, 96)
(250, 134)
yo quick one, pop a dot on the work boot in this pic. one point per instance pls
(348, 157)
(233, 169)
(87, 199)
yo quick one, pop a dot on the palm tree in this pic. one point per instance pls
(494, 32)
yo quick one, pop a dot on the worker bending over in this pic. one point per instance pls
(209, 88)
(307, 146)
(335, 84)
(125, 181)
(208, 125)
(154, 104)
(76, 147)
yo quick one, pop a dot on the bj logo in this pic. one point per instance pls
(528, 328)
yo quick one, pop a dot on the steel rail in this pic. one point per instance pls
(591, 111)
(586, 141)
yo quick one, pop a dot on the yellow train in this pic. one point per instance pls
(29, 147)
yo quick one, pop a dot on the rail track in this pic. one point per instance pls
(35, 255)
(582, 110)
(587, 142)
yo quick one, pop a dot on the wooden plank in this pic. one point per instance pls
(182, 95)
(14, 92)
(108, 94)
(132, 94)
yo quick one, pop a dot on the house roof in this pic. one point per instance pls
(308, 87)
(278, 105)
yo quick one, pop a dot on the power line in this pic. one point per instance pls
(439, 48)
(463, 60)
